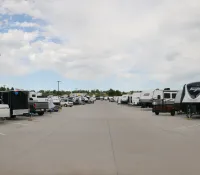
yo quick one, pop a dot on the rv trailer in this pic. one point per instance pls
(124, 99)
(146, 98)
(190, 99)
(163, 101)
(136, 98)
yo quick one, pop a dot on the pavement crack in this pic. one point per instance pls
(112, 147)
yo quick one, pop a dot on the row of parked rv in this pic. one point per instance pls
(167, 101)
(15, 103)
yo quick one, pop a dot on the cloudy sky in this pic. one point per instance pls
(89, 44)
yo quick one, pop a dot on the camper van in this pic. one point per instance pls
(136, 98)
(125, 99)
(17, 102)
(190, 98)
(163, 101)
(146, 98)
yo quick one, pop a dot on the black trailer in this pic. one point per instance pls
(17, 102)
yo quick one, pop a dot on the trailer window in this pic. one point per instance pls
(173, 95)
(33, 96)
(166, 95)
(147, 94)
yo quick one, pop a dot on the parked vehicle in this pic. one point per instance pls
(163, 101)
(101, 98)
(146, 98)
(56, 100)
(111, 99)
(130, 99)
(17, 102)
(66, 103)
(177, 102)
(119, 100)
(4, 110)
(125, 99)
(190, 99)
(37, 103)
(136, 98)
(106, 98)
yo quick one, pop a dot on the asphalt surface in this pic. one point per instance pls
(100, 139)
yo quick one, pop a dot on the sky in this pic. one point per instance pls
(99, 44)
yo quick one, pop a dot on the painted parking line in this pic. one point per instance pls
(2, 134)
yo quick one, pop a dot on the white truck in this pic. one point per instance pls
(4, 111)
(38, 103)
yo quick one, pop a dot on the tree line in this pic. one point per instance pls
(96, 92)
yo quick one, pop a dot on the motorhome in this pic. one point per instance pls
(37, 103)
(136, 98)
(17, 102)
(190, 98)
(163, 101)
(146, 98)
(125, 99)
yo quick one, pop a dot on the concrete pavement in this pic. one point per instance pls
(100, 139)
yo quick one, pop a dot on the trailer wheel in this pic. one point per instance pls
(157, 113)
(189, 111)
(40, 113)
(13, 116)
(172, 113)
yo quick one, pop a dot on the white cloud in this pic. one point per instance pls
(128, 39)
(26, 24)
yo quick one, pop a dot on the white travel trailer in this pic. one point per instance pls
(190, 99)
(124, 99)
(119, 100)
(146, 98)
(166, 95)
(163, 101)
(136, 98)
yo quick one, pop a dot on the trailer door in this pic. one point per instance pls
(19, 100)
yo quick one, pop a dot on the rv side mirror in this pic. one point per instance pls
(158, 96)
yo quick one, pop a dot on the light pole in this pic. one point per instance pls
(58, 85)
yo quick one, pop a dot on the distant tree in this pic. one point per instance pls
(12, 89)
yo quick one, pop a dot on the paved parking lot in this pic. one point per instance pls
(100, 139)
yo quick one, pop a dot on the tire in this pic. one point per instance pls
(65, 105)
(173, 113)
(157, 113)
(189, 111)
(13, 116)
(41, 113)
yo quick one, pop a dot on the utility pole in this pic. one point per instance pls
(58, 85)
